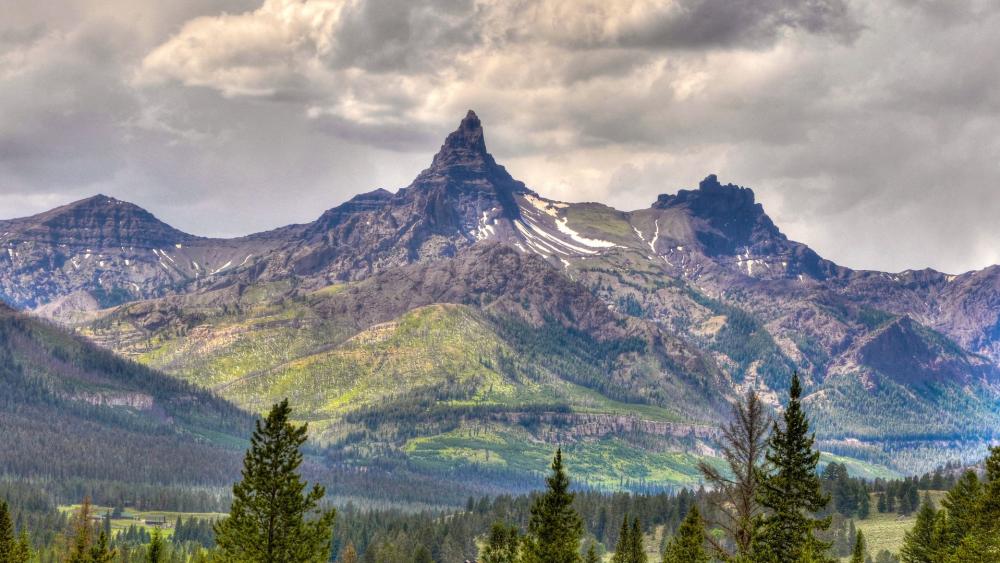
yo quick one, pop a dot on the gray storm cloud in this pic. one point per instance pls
(868, 129)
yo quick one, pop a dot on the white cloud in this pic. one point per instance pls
(376, 63)
(257, 53)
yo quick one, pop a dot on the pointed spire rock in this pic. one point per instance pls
(469, 134)
(463, 161)
(465, 145)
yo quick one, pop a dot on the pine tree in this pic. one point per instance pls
(423, 555)
(860, 549)
(961, 503)
(920, 543)
(350, 554)
(554, 529)
(865, 506)
(882, 506)
(637, 550)
(100, 551)
(792, 490)
(622, 548)
(267, 522)
(8, 543)
(978, 548)
(600, 528)
(591, 555)
(81, 535)
(156, 552)
(502, 544)
(13, 549)
(982, 542)
(913, 496)
(22, 551)
(989, 506)
(629, 548)
(688, 546)
(905, 506)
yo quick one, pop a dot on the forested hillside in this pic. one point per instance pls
(773, 502)
(72, 411)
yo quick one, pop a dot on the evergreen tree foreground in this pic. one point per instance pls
(688, 546)
(554, 529)
(791, 490)
(268, 520)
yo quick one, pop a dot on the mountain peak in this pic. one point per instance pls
(465, 144)
(714, 199)
(98, 201)
(98, 221)
(731, 213)
(463, 163)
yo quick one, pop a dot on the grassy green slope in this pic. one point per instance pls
(443, 387)
(415, 385)
(886, 530)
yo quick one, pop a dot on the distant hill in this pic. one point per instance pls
(73, 411)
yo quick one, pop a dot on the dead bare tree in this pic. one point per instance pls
(734, 497)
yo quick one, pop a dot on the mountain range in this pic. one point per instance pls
(465, 324)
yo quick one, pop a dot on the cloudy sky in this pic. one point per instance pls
(870, 129)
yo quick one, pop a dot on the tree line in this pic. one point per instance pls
(772, 504)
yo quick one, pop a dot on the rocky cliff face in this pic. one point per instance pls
(726, 224)
(444, 210)
(96, 222)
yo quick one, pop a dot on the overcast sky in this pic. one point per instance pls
(869, 129)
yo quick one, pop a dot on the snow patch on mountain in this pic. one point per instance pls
(562, 225)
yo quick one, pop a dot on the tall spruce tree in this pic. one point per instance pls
(554, 529)
(22, 552)
(591, 556)
(502, 545)
(156, 551)
(8, 543)
(13, 549)
(688, 546)
(624, 545)
(921, 542)
(624, 540)
(101, 551)
(961, 503)
(982, 542)
(864, 506)
(860, 549)
(791, 490)
(989, 505)
(637, 548)
(268, 519)
(629, 548)
(81, 547)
